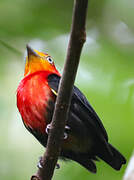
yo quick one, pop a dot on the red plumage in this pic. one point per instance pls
(33, 95)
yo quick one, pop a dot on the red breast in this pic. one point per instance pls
(33, 95)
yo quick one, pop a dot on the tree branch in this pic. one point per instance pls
(55, 138)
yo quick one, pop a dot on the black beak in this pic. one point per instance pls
(31, 52)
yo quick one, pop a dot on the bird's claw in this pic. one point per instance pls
(65, 133)
(39, 165)
(48, 128)
(67, 127)
(57, 166)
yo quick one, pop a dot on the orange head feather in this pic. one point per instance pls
(38, 61)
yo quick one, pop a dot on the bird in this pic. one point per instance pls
(85, 138)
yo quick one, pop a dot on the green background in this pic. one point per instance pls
(105, 75)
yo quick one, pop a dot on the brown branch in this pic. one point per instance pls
(77, 39)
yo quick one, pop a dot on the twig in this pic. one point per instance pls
(11, 48)
(129, 174)
(77, 39)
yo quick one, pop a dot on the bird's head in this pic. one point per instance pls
(38, 61)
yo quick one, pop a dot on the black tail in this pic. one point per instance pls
(115, 160)
(107, 153)
(82, 159)
(86, 163)
(111, 156)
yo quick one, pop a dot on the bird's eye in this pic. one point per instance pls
(50, 60)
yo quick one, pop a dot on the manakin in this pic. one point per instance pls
(85, 138)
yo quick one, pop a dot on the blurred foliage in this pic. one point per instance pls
(105, 75)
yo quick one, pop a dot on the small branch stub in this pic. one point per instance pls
(34, 177)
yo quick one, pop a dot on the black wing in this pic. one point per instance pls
(83, 108)
(83, 119)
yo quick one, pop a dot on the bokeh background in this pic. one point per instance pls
(105, 75)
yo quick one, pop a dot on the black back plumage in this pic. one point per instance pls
(85, 123)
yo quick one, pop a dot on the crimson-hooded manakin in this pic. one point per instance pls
(85, 138)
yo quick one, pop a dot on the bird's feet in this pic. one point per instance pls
(67, 128)
(48, 128)
(39, 165)
(57, 166)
